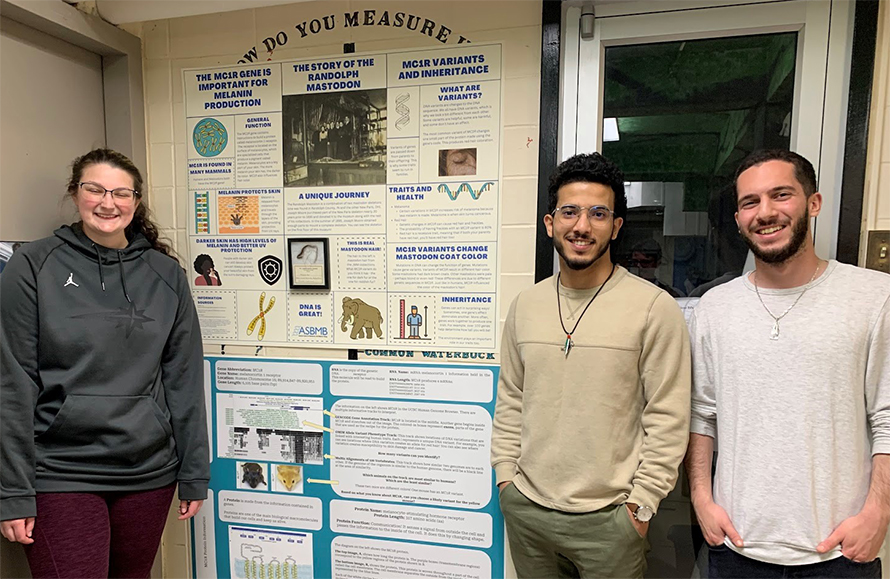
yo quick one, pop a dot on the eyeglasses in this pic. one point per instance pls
(595, 213)
(98, 192)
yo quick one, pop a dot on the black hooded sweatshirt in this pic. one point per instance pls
(101, 373)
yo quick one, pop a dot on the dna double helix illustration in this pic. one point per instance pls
(403, 110)
(475, 194)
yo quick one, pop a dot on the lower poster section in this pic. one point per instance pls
(350, 470)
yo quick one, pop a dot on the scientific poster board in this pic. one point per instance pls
(393, 158)
(349, 470)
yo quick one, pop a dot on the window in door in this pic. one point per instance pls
(678, 117)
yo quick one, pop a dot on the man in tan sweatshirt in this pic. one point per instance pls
(593, 399)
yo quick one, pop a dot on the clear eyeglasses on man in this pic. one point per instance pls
(595, 213)
(98, 191)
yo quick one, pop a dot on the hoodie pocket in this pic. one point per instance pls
(109, 431)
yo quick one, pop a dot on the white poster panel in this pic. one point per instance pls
(414, 382)
(413, 523)
(434, 454)
(351, 72)
(218, 312)
(294, 512)
(309, 318)
(393, 159)
(240, 262)
(236, 211)
(234, 89)
(258, 150)
(330, 211)
(358, 558)
(268, 377)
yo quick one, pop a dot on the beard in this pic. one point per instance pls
(799, 229)
(579, 263)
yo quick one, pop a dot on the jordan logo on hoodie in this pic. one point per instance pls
(70, 281)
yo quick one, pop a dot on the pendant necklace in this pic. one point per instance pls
(774, 334)
(569, 343)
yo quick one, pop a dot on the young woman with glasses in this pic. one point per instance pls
(102, 385)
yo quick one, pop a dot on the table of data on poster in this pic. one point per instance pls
(349, 470)
(350, 201)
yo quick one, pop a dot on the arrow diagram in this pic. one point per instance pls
(318, 426)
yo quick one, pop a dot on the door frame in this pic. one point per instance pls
(121, 54)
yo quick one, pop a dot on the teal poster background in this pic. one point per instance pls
(442, 526)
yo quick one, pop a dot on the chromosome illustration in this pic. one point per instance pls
(210, 137)
(261, 317)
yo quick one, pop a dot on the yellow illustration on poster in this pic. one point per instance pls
(391, 160)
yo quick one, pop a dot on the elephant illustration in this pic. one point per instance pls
(363, 317)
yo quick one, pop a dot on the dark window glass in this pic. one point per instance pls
(686, 114)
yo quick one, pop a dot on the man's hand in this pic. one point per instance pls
(859, 536)
(641, 527)
(18, 530)
(715, 524)
(188, 509)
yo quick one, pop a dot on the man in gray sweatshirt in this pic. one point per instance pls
(791, 377)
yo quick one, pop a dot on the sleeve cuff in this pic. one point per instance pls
(701, 426)
(13, 508)
(193, 490)
(642, 496)
(504, 471)
(880, 445)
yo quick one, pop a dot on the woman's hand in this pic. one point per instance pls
(18, 530)
(188, 509)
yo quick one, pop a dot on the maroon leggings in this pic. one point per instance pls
(98, 535)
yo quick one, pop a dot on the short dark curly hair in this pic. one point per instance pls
(199, 262)
(589, 168)
(803, 169)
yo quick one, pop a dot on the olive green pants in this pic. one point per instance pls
(545, 543)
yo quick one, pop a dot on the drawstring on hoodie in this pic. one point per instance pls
(99, 262)
(120, 263)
